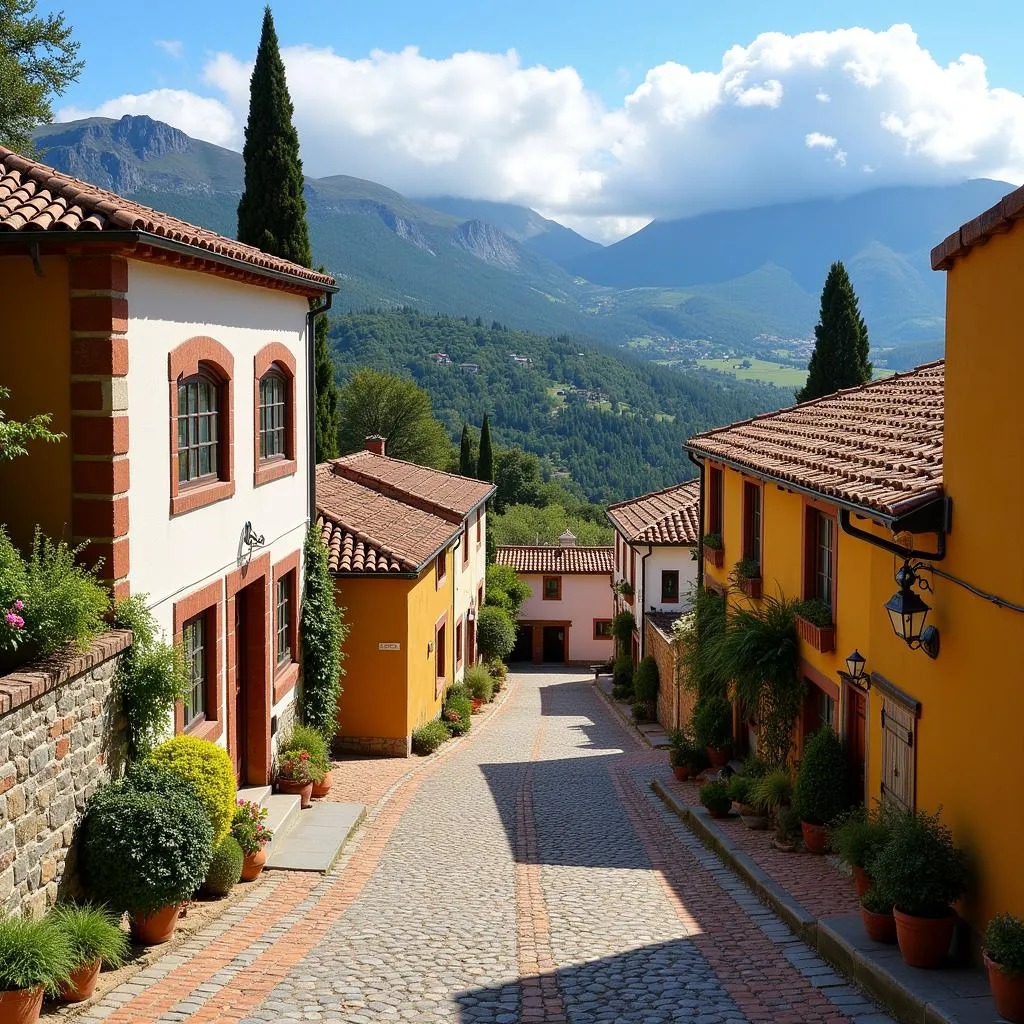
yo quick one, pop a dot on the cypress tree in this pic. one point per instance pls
(272, 210)
(467, 465)
(485, 462)
(840, 357)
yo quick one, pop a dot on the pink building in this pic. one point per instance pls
(568, 617)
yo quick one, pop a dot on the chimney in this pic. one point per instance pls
(567, 540)
(375, 444)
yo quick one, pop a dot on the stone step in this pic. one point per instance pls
(255, 794)
(282, 814)
(316, 837)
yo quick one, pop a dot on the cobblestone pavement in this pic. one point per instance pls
(528, 874)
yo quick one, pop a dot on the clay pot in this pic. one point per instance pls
(718, 756)
(815, 837)
(681, 771)
(1007, 992)
(323, 787)
(879, 927)
(156, 928)
(924, 941)
(300, 789)
(862, 880)
(253, 863)
(21, 1005)
(82, 983)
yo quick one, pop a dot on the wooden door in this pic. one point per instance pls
(538, 645)
(238, 702)
(856, 737)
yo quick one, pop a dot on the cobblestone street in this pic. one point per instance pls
(527, 874)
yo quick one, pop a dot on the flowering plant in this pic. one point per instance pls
(248, 829)
(294, 765)
(12, 626)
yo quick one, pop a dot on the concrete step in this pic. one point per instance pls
(255, 794)
(282, 814)
(316, 837)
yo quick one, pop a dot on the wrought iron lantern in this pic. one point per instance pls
(855, 666)
(908, 612)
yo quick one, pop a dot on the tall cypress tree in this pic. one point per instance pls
(467, 464)
(485, 461)
(272, 210)
(840, 357)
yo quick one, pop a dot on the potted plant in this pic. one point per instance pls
(814, 624)
(855, 836)
(822, 787)
(252, 836)
(748, 577)
(876, 914)
(773, 791)
(715, 797)
(303, 737)
(787, 829)
(683, 754)
(924, 873)
(35, 958)
(625, 589)
(96, 938)
(714, 551)
(225, 869)
(712, 728)
(295, 775)
(145, 848)
(1004, 958)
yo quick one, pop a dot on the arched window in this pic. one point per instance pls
(199, 428)
(273, 416)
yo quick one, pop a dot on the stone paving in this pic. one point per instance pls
(527, 874)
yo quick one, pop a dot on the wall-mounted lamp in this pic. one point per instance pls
(430, 647)
(908, 612)
(855, 666)
(251, 537)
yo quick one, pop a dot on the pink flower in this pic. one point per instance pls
(19, 605)
(14, 620)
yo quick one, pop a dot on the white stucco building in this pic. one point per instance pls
(176, 361)
(655, 567)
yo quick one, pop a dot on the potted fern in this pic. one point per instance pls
(822, 787)
(96, 939)
(1004, 959)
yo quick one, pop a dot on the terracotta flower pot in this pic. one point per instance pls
(879, 927)
(815, 837)
(253, 863)
(156, 928)
(300, 789)
(681, 771)
(21, 1005)
(323, 787)
(924, 941)
(1007, 992)
(82, 983)
(862, 880)
(718, 756)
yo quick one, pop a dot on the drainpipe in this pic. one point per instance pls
(311, 316)
(643, 593)
(699, 463)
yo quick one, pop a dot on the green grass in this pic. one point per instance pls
(759, 369)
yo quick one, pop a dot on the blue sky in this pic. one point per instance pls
(609, 113)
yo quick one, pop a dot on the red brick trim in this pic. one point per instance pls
(101, 477)
(288, 564)
(459, 652)
(285, 680)
(31, 681)
(206, 600)
(99, 435)
(108, 356)
(274, 356)
(98, 273)
(116, 556)
(100, 313)
(186, 360)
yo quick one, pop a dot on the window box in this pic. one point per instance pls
(821, 638)
(750, 585)
(714, 556)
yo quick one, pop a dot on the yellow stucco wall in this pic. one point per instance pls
(427, 603)
(36, 365)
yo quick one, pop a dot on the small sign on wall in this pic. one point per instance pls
(389, 647)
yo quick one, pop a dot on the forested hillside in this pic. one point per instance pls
(614, 422)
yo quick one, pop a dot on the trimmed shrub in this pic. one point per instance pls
(457, 712)
(645, 681)
(209, 768)
(741, 788)
(225, 868)
(427, 738)
(822, 783)
(622, 629)
(712, 722)
(857, 835)
(622, 672)
(495, 633)
(141, 851)
(640, 710)
(479, 683)
(1004, 943)
(303, 737)
(715, 797)
(93, 932)
(33, 953)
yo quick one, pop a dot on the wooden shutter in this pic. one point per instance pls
(898, 754)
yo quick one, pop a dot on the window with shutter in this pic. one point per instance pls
(898, 728)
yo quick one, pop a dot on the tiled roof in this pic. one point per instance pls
(560, 560)
(994, 220)
(671, 516)
(878, 446)
(34, 198)
(446, 494)
(369, 532)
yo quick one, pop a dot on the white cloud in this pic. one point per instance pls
(172, 47)
(682, 142)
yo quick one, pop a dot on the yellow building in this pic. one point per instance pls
(397, 535)
(902, 492)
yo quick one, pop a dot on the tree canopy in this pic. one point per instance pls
(16, 434)
(467, 458)
(485, 463)
(38, 61)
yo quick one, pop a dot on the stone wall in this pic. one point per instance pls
(61, 736)
(675, 702)
(373, 746)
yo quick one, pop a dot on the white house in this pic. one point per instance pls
(656, 537)
(177, 363)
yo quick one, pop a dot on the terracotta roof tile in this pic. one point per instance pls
(671, 516)
(878, 446)
(561, 560)
(993, 221)
(34, 197)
